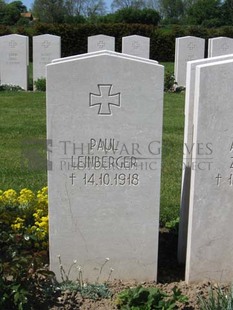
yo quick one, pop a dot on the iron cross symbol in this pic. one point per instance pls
(191, 46)
(12, 44)
(104, 99)
(45, 44)
(101, 44)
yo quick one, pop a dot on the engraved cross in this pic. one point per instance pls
(45, 44)
(12, 44)
(101, 44)
(104, 99)
(191, 46)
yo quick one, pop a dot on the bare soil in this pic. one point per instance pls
(170, 274)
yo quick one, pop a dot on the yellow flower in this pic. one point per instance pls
(42, 196)
(26, 197)
(9, 197)
(18, 224)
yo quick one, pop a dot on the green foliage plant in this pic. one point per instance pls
(151, 298)
(24, 250)
(40, 84)
(10, 87)
(218, 299)
(87, 290)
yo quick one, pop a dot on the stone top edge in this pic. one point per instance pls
(103, 53)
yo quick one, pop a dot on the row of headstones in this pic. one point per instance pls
(104, 116)
(14, 54)
(192, 48)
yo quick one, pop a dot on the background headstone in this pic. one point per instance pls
(210, 229)
(188, 162)
(15, 60)
(46, 47)
(136, 45)
(0, 58)
(111, 208)
(100, 42)
(187, 48)
(220, 46)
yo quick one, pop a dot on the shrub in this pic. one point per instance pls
(9, 87)
(40, 84)
(24, 248)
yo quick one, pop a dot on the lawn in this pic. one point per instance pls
(23, 145)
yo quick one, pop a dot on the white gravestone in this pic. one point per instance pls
(15, 60)
(187, 48)
(220, 46)
(1, 52)
(136, 45)
(46, 47)
(188, 163)
(210, 229)
(105, 128)
(99, 52)
(100, 42)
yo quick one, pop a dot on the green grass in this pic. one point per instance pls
(169, 66)
(23, 120)
(173, 131)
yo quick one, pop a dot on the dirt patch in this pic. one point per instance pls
(170, 275)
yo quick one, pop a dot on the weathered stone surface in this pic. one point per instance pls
(100, 42)
(14, 60)
(136, 45)
(105, 126)
(220, 46)
(187, 48)
(210, 243)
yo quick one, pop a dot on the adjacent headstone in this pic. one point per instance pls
(187, 48)
(188, 163)
(220, 46)
(46, 47)
(15, 60)
(136, 45)
(105, 128)
(100, 42)
(210, 243)
(0, 58)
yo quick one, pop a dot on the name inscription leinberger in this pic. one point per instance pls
(110, 155)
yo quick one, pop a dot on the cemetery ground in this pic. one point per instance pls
(23, 166)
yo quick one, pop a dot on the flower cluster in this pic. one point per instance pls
(26, 215)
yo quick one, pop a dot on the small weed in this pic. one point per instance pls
(218, 299)
(87, 290)
(173, 225)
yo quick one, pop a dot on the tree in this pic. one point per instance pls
(2, 10)
(132, 15)
(122, 4)
(227, 12)
(93, 8)
(203, 11)
(11, 13)
(49, 11)
(172, 10)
